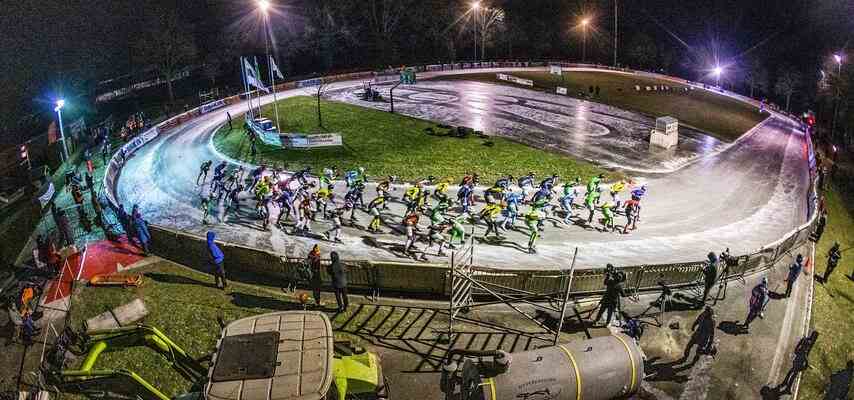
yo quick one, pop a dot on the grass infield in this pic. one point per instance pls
(391, 144)
(719, 116)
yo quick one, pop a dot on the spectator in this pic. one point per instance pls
(840, 383)
(90, 181)
(833, 257)
(339, 281)
(378, 282)
(64, 228)
(140, 227)
(315, 280)
(77, 195)
(611, 300)
(217, 261)
(794, 272)
(758, 301)
(819, 228)
(28, 328)
(704, 335)
(106, 149)
(710, 275)
(125, 222)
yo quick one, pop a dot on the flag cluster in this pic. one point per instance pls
(253, 78)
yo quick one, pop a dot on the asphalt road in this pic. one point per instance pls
(740, 196)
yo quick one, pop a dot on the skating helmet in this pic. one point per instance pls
(799, 258)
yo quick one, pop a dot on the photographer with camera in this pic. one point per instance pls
(710, 275)
(613, 291)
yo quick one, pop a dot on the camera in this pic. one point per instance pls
(613, 276)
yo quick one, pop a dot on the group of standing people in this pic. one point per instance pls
(311, 272)
(135, 227)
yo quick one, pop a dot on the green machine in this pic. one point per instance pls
(288, 355)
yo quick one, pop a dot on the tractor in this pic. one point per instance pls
(286, 355)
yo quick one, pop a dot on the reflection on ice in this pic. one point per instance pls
(613, 137)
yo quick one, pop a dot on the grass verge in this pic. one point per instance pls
(833, 302)
(720, 116)
(390, 144)
(184, 305)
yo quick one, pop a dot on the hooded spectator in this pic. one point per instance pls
(217, 261)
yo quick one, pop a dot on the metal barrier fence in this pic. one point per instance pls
(587, 281)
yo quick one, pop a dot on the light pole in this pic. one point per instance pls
(59, 104)
(584, 23)
(718, 71)
(475, 7)
(838, 59)
(264, 6)
(616, 32)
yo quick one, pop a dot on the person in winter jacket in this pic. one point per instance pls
(313, 262)
(710, 275)
(758, 301)
(140, 227)
(216, 261)
(339, 281)
(794, 272)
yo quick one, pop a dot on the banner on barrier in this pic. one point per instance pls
(309, 83)
(208, 107)
(311, 141)
(516, 80)
(561, 90)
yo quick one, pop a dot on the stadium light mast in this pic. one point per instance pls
(264, 7)
(58, 109)
(584, 23)
(718, 71)
(616, 32)
(838, 58)
(475, 7)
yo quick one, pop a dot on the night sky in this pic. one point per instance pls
(64, 48)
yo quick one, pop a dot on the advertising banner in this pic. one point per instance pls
(311, 141)
(208, 107)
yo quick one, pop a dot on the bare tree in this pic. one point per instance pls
(222, 55)
(787, 84)
(643, 50)
(490, 21)
(384, 18)
(167, 46)
(329, 32)
(755, 75)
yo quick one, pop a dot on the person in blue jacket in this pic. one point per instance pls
(140, 227)
(217, 261)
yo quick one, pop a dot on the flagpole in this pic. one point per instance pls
(273, 80)
(246, 87)
(261, 82)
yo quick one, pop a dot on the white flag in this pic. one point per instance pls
(276, 68)
(252, 76)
